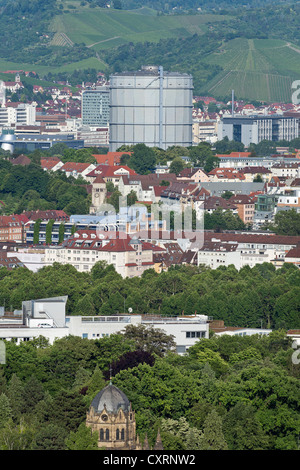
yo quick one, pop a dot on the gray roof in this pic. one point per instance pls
(112, 398)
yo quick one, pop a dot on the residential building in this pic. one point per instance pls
(214, 254)
(213, 203)
(143, 185)
(205, 131)
(130, 256)
(245, 207)
(265, 209)
(289, 199)
(245, 249)
(109, 173)
(225, 174)
(244, 159)
(253, 173)
(198, 175)
(286, 170)
(51, 163)
(76, 169)
(10, 262)
(12, 228)
(293, 256)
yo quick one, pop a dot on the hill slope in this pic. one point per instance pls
(253, 51)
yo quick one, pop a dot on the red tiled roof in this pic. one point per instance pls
(49, 162)
(21, 160)
(75, 166)
(46, 215)
(240, 199)
(110, 171)
(294, 253)
(110, 158)
(235, 155)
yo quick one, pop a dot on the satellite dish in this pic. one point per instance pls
(130, 310)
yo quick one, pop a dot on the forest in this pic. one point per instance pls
(225, 393)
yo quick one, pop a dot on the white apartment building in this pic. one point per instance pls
(286, 170)
(289, 200)
(130, 257)
(241, 250)
(204, 131)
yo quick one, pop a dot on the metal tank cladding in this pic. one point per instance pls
(151, 106)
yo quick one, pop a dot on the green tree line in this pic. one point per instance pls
(251, 297)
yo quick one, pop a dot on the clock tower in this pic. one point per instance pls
(98, 194)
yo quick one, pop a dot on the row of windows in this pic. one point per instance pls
(195, 334)
(104, 435)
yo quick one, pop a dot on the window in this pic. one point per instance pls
(101, 435)
(122, 435)
(195, 334)
(107, 434)
(117, 434)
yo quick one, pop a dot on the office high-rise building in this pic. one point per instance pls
(151, 106)
(254, 129)
(95, 107)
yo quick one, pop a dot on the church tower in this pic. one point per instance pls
(111, 415)
(99, 193)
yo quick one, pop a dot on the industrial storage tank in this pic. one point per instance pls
(151, 106)
(7, 140)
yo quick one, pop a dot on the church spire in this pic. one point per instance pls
(158, 444)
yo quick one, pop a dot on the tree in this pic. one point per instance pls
(16, 436)
(49, 231)
(36, 232)
(287, 223)
(150, 339)
(61, 233)
(131, 198)
(131, 359)
(213, 438)
(5, 410)
(33, 393)
(102, 269)
(242, 429)
(82, 439)
(177, 165)
(142, 159)
(189, 436)
(50, 437)
(15, 392)
(69, 410)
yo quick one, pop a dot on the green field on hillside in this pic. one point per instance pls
(43, 70)
(102, 29)
(256, 69)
